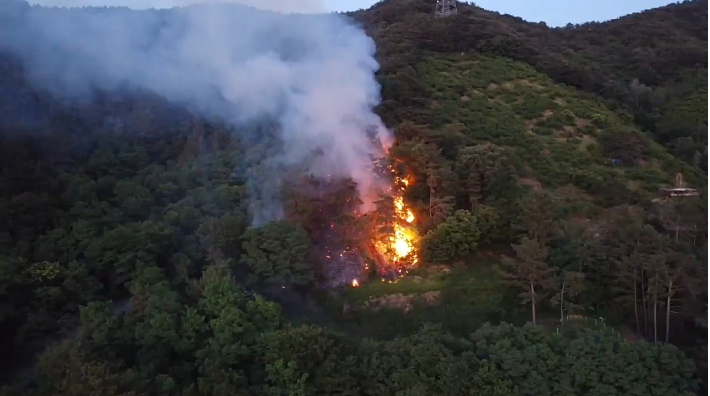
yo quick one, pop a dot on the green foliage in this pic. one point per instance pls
(488, 222)
(554, 131)
(453, 239)
(529, 271)
(44, 272)
(679, 119)
(237, 349)
(593, 362)
(276, 253)
(64, 370)
(601, 121)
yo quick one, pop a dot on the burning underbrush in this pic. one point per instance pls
(353, 245)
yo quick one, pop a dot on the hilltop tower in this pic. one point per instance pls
(445, 8)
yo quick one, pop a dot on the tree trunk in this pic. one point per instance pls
(655, 319)
(532, 297)
(645, 303)
(636, 103)
(431, 197)
(655, 310)
(562, 304)
(636, 307)
(668, 311)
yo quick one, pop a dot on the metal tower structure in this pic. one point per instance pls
(445, 8)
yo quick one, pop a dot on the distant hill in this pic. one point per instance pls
(665, 49)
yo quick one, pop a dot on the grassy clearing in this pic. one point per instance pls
(477, 276)
(412, 284)
(469, 296)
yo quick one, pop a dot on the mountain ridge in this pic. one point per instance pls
(667, 43)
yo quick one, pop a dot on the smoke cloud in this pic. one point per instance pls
(311, 74)
(292, 6)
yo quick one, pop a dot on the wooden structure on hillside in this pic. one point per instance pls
(679, 190)
(672, 212)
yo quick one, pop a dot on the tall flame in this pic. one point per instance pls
(398, 248)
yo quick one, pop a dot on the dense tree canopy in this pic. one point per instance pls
(130, 263)
(219, 341)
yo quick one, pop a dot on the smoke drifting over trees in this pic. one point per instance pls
(312, 74)
(296, 6)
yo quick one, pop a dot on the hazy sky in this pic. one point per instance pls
(554, 12)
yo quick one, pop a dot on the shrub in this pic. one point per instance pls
(453, 239)
(568, 115)
(586, 180)
(601, 121)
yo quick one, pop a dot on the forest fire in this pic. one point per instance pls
(393, 242)
(384, 234)
(398, 248)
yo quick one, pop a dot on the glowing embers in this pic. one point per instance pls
(341, 266)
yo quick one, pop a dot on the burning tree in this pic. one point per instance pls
(344, 230)
(394, 234)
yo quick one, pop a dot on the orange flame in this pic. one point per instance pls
(399, 247)
(356, 283)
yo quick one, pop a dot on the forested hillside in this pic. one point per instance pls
(532, 161)
(651, 65)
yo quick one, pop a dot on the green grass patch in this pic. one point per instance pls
(468, 297)
(408, 285)
(478, 275)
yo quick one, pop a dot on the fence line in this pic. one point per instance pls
(598, 324)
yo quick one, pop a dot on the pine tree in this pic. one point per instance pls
(674, 279)
(528, 270)
(538, 217)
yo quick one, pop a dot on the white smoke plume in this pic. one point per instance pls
(291, 6)
(313, 74)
